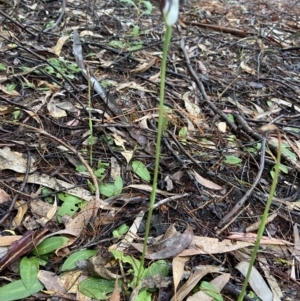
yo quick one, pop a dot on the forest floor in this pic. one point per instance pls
(79, 91)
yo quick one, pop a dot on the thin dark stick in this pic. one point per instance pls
(240, 203)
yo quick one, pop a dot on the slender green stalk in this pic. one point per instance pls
(263, 220)
(158, 141)
(90, 118)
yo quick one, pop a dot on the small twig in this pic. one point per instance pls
(183, 149)
(190, 175)
(59, 17)
(241, 202)
(249, 130)
(43, 60)
(169, 199)
(13, 202)
(234, 31)
(101, 203)
(202, 90)
(232, 220)
(16, 22)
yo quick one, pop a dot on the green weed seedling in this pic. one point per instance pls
(266, 211)
(123, 229)
(66, 68)
(71, 204)
(183, 135)
(232, 160)
(2, 67)
(141, 170)
(159, 267)
(211, 291)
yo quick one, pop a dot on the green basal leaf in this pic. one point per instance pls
(70, 206)
(29, 85)
(136, 47)
(211, 291)
(149, 6)
(112, 189)
(129, 2)
(282, 168)
(116, 44)
(118, 185)
(288, 153)
(230, 117)
(2, 67)
(233, 160)
(141, 170)
(182, 135)
(158, 267)
(120, 231)
(135, 31)
(107, 189)
(143, 296)
(29, 268)
(46, 192)
(16, 114)
(91, 186)
(96, 288)
(16, 290)
(136, 264)
(102, 165)
(11, 87)
(70, 76)
(50, 244)
(49, 69)
(81, 168)
(70, 262)
(231, 138)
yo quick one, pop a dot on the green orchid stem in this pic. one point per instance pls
(263, 220)
(158, 142)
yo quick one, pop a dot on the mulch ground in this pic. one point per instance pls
(232, 68)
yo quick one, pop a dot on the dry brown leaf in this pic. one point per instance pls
(206, 183)
(218, 282)
(115, 296)
(127, 154)
(178, 269)
(130, 235)
(70, 281)
(247, 69)
(146, 187)
(251, 237)
(172, 247)
(55, 184)
(275, 288)
(256, 225)
(7, 240)
(40, 209)
(15, 161)
(256, 281)
(222, 127)
(96, 266)
(51, 214)
(5, 90)
(51, 281)
(22, 207)
(193, 280)
(144, 66)
(132, 85)
(191, 108)
(244, 109)
(59, 45)
(208, 245)
(4, 197)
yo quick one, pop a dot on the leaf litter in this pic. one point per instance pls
(97, 108)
